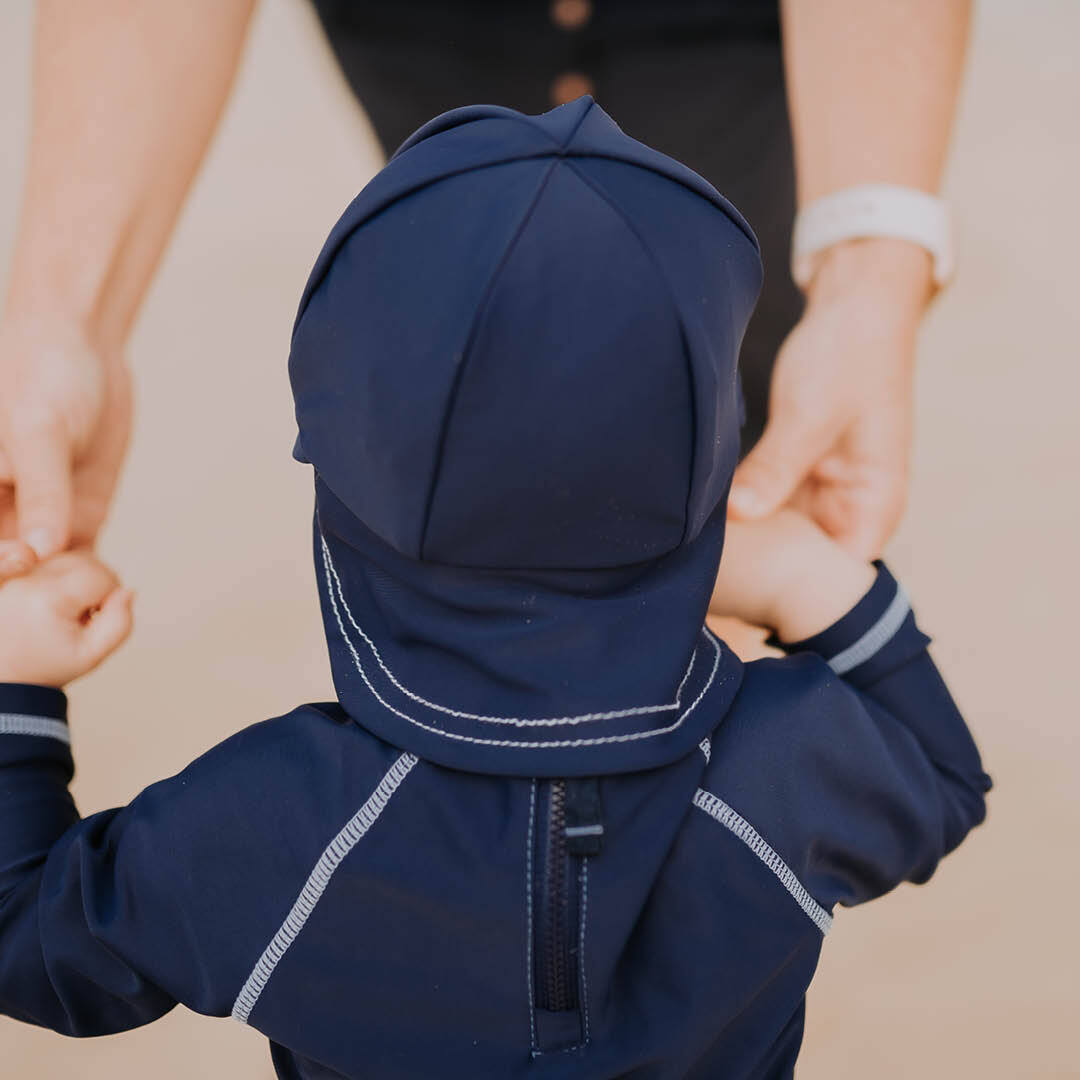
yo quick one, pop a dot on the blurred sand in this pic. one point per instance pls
(974, 976)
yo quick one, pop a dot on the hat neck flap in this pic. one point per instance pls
(530, 673)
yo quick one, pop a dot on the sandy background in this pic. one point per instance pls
(975, 976)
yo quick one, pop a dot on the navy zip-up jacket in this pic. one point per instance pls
(552, 826)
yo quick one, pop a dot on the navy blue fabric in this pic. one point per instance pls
(539, 673)
(377, 883)
(515, 373)
(415, 960)
(543, 300)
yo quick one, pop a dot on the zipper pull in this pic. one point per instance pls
(584, 830)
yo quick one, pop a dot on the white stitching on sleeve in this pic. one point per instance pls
(719, 810)
(316, 885)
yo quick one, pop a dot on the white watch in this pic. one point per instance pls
(872, 210)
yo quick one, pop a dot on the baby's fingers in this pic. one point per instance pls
(80, 582)
(106, 628)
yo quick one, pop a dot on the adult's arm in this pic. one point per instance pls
(125, 98)
(872, 86)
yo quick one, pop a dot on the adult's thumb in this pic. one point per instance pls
(768, 476)
(40, 459)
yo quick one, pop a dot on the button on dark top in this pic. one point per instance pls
(569, 86)
(570, 14)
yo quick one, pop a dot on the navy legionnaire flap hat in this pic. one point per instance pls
(514, 367)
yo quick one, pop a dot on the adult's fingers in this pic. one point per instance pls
(860, 491)
(98, 466)
(768, 476)
(16, 558)
(870, 517)
(40, 457)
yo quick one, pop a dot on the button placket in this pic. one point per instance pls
(570, 16)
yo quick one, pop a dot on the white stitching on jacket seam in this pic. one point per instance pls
(719, 810)
(529, 914)
(316, 884)
(581, 946)
(25, 724)
(535, 745)
(614, 714)
(892, 618)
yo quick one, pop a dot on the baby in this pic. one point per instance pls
(551, 826)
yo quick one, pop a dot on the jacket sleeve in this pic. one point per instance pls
(850, 756)
(106, 922)
(907, 783)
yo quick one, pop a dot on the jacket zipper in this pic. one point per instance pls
(574, 830)
(558, 985)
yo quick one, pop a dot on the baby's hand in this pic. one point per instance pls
(783, 572)
(61, 619)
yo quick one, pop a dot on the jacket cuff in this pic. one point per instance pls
(876, 636)
(30, 712)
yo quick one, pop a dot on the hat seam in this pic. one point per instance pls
(601, 193)
(470, 338)
(533, 744)
(313, 286)
(555, 151)
(474, 328)
(499, 112)
(333, 581)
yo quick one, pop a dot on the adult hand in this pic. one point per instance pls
(65, 416)
(840, 409)
(125, 97)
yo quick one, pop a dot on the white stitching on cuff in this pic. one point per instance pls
(716, 808)
(23, 724)
(892, 618)
(316, 885)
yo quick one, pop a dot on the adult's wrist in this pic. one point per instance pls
(28, 325)
(893, 274)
